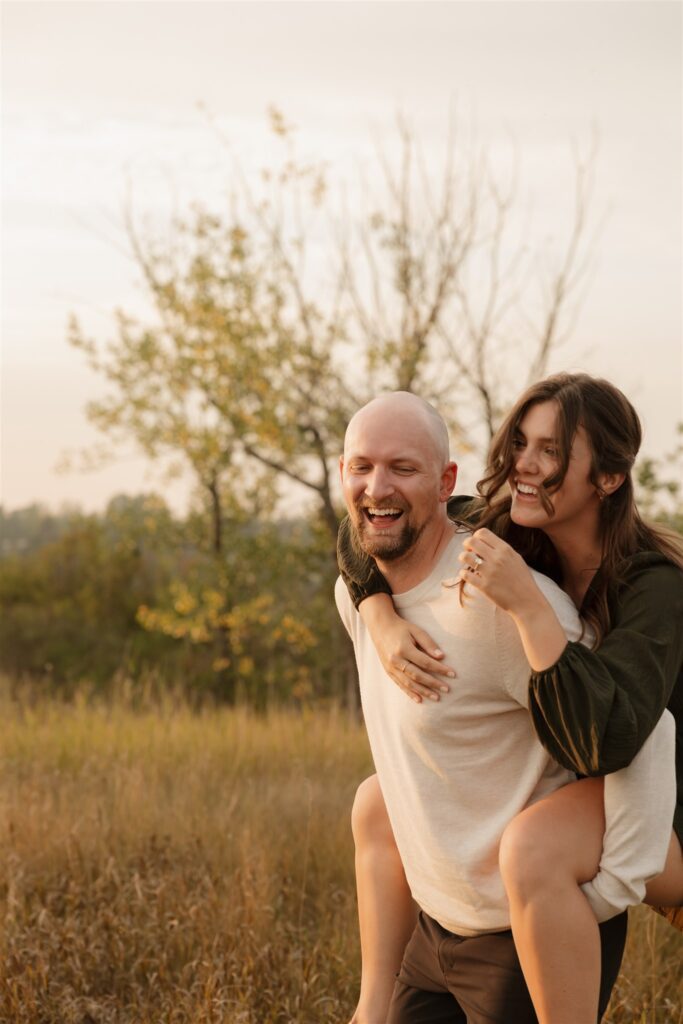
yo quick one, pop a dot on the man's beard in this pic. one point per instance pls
(387, 549)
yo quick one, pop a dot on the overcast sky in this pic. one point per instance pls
(99, 94)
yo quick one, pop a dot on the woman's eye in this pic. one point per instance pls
(518, 443)
(552, 452)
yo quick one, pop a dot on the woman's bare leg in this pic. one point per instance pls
(607, 836)
(640, 801)
(386, 911)
(546, 852)
(666, 890)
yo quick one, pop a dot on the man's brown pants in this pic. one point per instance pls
(450, 979)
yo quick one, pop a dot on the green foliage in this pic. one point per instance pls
(660, 486)
(258, 618)
(67, 609)
(140, 593)
(236, 366)
(136, 592)
(26, 529)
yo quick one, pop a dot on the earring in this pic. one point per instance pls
(601, 494)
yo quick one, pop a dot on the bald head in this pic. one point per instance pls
(407, 411)
(397, 477)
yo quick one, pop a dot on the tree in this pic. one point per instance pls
(69, 605)
(135, 595)
(252, 619)
(257, 359)
(25, 529)
(660, 486)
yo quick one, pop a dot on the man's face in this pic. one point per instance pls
(393, 481)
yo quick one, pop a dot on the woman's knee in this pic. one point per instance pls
(556, 841)
(369, 819)
(524, 859)
(666, 889)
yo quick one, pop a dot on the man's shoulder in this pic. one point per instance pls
(341, 594)
(441, 576)
(561, 603)
(347, 612)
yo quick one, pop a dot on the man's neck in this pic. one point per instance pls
(404, 573)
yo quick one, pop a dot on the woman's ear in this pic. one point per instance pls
(608, 483)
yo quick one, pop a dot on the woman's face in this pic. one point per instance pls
(536, 457)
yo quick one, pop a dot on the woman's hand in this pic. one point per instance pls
(409, 656)
(495, 568)
(492, 566)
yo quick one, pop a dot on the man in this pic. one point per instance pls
(453, 774)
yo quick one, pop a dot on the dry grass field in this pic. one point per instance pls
(160, 865)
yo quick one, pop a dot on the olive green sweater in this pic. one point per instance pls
(592, 709)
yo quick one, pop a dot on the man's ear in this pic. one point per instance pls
(448, 478)
(608, 483)
(341, 468)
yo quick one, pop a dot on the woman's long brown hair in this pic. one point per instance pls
(614, 434)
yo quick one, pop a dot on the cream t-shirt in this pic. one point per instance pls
(453, 773)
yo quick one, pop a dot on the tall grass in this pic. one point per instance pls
(164, 865)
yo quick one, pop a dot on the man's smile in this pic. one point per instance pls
(382, 517)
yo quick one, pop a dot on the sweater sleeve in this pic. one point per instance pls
(360, 572)
(594, 709)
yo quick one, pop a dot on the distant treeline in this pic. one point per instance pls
(133, 593)
(140, 596)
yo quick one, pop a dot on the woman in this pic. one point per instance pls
(558, 497)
